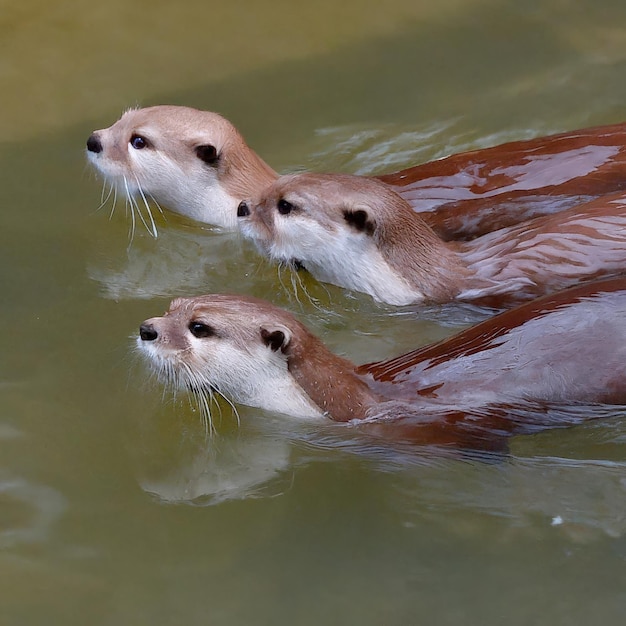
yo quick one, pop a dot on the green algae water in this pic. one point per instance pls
(115, 507)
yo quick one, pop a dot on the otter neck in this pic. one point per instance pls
(434, 269)
(218, 190)
(244, 176)
(246, 173)
(330, 381)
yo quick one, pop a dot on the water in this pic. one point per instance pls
(115, 508)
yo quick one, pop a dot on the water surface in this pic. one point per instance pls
(116, 509)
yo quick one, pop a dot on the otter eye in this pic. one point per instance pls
(207, 153)
(284, 207)
(200, 330)
(138, 142)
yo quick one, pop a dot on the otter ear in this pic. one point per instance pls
(359, 220)
(276, 337)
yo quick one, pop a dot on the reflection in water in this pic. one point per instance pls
(191, 261)
(363, 532)
(365, 151)
(180, 261)
(29, 511)
(522, 493)
(379, 150)
(177, 460)
(537, 495)
(225, 468)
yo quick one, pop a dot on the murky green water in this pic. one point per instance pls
(289, 524)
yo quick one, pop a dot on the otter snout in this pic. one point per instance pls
(147, 332)
(94, 144)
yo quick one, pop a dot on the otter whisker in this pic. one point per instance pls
(325, 288)
(130, 205)
(282, 265)
(137, 211)
(279, 273)
(209, 421)
(166, 387)
(214, 401)
(104, 196)
(172, 377)
(153, 230)
(131, 233)
(133, 199)
(257, 266)
(232, 406)
(297, 284)
(294, 287)
(158, 206)
(199, 390)
(295, 276)
(205, 412)
(166, 373)
(114, 187)
(104, 186)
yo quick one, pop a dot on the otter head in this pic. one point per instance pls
(237, 346)
(193, 162)
(253, 353)
(351, 231)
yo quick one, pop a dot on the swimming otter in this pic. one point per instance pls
(359, 234)
(502, 376)
(197, 164)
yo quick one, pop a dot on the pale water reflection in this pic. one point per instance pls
(227, 468)
(116, 508)
(33, 508)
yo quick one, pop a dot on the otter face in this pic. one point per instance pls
(307, 217)
(181, 158)
(235, 346)
(334, 226)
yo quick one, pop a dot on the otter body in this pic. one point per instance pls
(563, 350)
(361, 235)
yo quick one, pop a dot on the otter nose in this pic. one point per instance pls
(94, 144)
(147, 332)
(243, 210)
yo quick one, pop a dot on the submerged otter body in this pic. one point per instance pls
(503, 376)
(197, 164)
(359, 234)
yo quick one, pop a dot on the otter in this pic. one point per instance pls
(359, 234)
(193, 162)
(528, 368)
(196, 163)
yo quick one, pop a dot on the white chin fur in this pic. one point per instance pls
(344, 259)
(196, 195)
